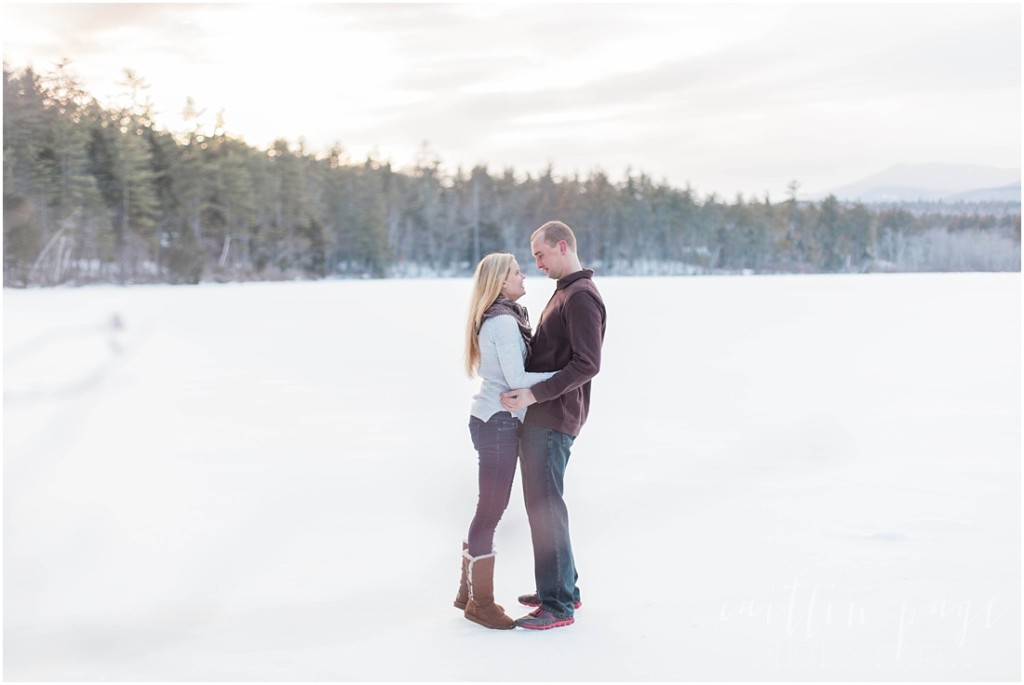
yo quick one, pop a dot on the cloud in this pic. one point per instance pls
(691, 90)
(83, 31)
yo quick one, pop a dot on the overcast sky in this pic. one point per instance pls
(727, 97)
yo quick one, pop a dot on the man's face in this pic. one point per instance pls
(550, 258)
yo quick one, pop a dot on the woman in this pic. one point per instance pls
(498, 340)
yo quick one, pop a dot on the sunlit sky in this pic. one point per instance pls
(726, 97)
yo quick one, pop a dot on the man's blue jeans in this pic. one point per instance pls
(543, 455)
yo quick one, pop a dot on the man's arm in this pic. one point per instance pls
(583, 317)
(505, 335)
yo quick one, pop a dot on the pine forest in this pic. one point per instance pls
(101, 194)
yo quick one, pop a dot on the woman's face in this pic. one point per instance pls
(513, 288)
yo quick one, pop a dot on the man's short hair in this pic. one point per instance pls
(555, 231)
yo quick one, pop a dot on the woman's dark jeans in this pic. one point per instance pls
(545, 454)
(497, 446)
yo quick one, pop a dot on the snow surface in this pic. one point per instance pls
(783, 478)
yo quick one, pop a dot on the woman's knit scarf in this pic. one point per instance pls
(504, 305)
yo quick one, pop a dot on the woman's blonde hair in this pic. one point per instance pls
(491, 273)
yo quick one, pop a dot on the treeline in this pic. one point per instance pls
(101, 194)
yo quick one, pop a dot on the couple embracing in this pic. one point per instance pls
(533, 400)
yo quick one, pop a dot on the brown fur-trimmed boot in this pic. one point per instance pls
(462, 598)
(481, 607)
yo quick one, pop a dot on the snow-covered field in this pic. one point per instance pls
(783, 478)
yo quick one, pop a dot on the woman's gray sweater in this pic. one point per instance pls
(502, 352)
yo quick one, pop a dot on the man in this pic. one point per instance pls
(568, 338)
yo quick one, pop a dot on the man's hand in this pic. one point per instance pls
(514, 400)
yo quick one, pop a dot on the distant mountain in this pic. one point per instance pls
(931, 182)
(1010, 193)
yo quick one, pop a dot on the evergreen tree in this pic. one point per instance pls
(94, 193)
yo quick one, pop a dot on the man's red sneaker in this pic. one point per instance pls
(532, 600)
(542, 619)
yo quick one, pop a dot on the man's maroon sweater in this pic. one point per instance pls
(568, 340)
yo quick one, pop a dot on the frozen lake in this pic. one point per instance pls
(782, 478)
